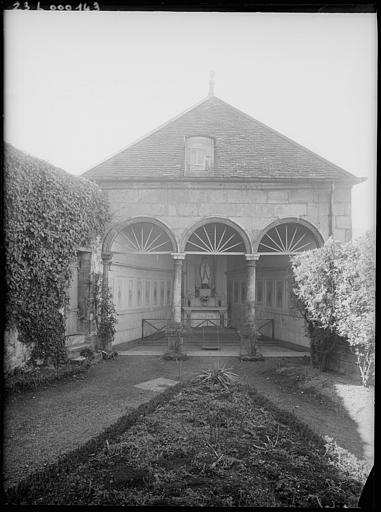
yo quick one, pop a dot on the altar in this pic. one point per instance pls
(204, 283)
(193, 316)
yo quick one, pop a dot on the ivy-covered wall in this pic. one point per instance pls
(48, 215)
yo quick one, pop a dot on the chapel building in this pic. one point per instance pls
(207, 210)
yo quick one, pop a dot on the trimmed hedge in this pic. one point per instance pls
(49, 214)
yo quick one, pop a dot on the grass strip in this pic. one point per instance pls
(31, 486)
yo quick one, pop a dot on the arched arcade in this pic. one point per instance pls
(212, 271)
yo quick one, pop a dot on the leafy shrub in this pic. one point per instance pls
(104, 310)
(87, 352)
(107, 329)
(335, 288)
(48, 216)
(356, 301)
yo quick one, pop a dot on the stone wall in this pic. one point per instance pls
(75, 293)
(273, 301)
(252, 205)
(342, 213)
(342, 360)
(142, 289)
(16, 354)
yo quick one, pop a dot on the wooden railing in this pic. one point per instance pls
(205, 322)
(158, 327)
(204, 335)
(267, 321)
(157, 331)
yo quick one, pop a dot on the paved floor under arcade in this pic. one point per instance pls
(153, 348)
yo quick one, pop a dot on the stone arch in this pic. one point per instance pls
(314, 232)
(114, 231)
(247, 248)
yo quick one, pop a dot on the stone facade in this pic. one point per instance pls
(254, 206)
(215, 170)
(142, 289)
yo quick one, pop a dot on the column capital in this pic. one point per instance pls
(252, 257)
(178, 255)
(106, 257)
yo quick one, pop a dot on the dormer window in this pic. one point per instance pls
(199, 154)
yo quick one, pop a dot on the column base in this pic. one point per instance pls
(175, 356)
(249, 346)
(175, 343)
(248, 357)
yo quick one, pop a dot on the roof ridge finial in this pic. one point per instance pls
(211, 84)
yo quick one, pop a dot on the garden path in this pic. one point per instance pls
(40, 425)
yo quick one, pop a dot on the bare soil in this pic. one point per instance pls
(42, 424)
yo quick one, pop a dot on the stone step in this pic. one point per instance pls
(211, 336)
(74, 351)
(75, 339)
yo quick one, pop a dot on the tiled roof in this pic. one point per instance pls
(244, 148)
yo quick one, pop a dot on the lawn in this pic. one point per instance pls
(211, 444)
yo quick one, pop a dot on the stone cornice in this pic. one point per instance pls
(220, 179)
(136, 267)
(252, 257)
(178, 256)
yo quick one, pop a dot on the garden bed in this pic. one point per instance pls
(208, 445)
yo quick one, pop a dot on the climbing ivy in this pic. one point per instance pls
(104, 311)
(48, 215)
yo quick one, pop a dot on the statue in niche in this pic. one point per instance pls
(205, 274)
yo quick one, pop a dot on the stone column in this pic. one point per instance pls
(251, 278)
(178, 259)
(249, 330)
(174, 329)
(106, 261)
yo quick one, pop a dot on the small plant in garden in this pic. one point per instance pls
(87, 352)
(175, 332)
(219, 375)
